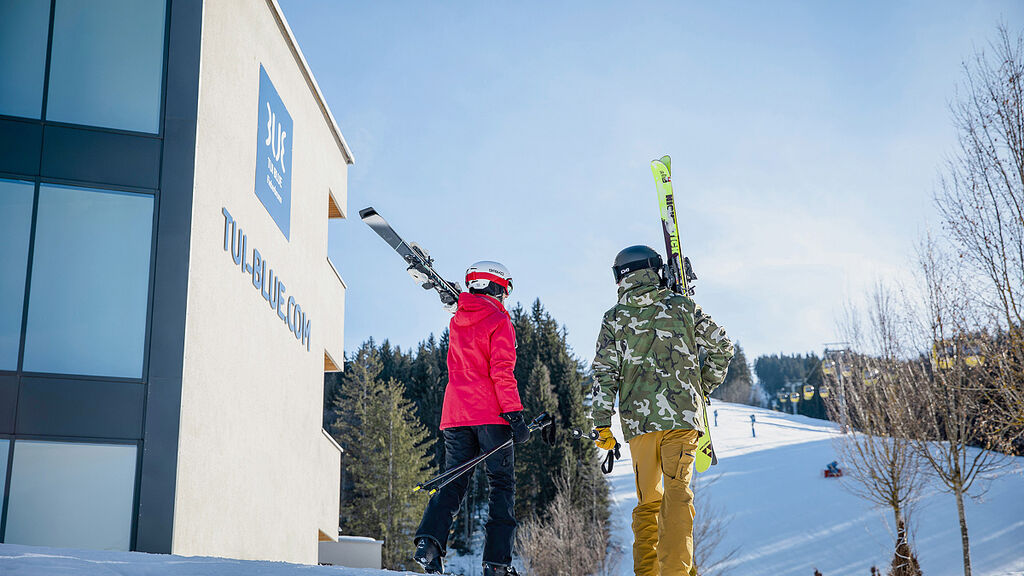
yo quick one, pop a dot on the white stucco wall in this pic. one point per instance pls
(256, 478)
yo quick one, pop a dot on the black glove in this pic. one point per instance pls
(450, 301)
(520, 431)
(547, 434)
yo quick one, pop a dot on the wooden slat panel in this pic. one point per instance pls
(333, 211)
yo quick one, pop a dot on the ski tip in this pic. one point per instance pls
(417, 488)
(661, 172)
(367, 212)
(665, 161)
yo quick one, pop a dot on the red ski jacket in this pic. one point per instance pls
(481, 357)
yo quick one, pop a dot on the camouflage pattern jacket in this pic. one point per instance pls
(647, 353)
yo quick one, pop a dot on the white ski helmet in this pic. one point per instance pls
(489, 278)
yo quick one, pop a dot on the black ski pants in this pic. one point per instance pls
(462, 444)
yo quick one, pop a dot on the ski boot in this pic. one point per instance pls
(499, 570)
(428, 555)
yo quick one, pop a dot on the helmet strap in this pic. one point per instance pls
(493, 289)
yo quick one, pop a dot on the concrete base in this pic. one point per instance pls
(352, 552)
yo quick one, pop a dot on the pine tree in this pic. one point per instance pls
(394, 363)
(427, 380)
(739, 383)
(554, 378)
(387, 452)
(533, 460)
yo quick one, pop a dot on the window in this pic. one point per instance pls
(106, 63)
(71, 495)
(90, 282)
(5, 449)
(24, 30)
(15, 227)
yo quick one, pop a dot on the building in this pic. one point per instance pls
(168, 170)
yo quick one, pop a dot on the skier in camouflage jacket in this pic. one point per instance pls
(647, 355)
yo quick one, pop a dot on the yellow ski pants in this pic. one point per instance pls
(663, 517)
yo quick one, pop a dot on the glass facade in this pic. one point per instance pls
(83, 85)
(106, 66)
(24, 32)
(106, 61)
(89, 290)
(73, 495)
(15, 227)
(77, 262)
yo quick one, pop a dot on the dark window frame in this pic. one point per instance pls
(12, 439)
(37, 182)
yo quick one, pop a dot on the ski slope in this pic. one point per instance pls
(18, 560)
(785, 519)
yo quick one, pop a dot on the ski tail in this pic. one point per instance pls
(705, 457)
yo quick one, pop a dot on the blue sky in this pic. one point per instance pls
(806, 140)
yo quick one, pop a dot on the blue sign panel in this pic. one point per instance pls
(274, 155)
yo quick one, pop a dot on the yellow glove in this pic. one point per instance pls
(605, 439)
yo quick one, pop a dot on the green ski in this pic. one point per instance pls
(679, 276)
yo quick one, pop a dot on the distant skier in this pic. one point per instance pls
(716, 418)
(647, 354)
(481, 411)
(832, 470)
(753, 421)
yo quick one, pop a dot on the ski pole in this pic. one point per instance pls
(540, 421)
(610, 458)
(458, 470)
(449, 476)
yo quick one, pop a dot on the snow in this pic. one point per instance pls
(18, 560)
(783, 518)
(356, 539)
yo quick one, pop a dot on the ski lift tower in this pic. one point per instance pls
(833, 364)
(793, 394)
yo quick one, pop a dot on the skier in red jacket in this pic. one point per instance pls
(481, 411)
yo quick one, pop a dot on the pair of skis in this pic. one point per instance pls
(680, 277)
(420, 264)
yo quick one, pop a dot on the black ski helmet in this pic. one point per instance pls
(635, 258)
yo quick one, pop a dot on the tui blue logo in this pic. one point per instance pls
(274, 155)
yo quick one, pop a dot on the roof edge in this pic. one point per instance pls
(297, 52)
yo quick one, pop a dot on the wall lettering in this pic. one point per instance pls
(262, 276)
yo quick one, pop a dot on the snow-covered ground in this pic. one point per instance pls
(36, 561)
(783, 518)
